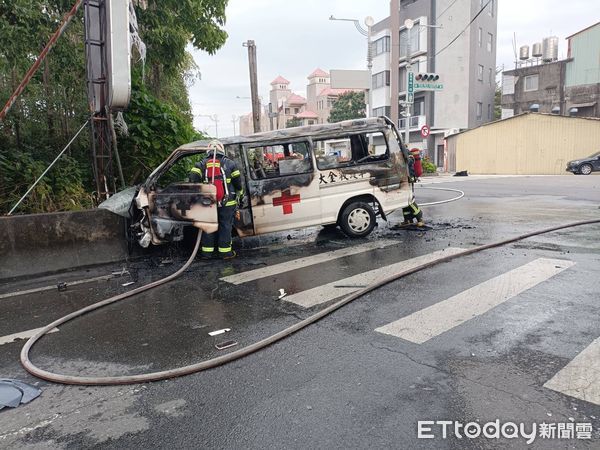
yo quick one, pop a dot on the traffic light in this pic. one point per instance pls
(427, 77)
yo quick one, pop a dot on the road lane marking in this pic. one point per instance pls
(299, 263)
(329, 291)
(22, 335)
(434, 320)
(581, 377)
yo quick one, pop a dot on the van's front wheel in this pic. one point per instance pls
(358, 219)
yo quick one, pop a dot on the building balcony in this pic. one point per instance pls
(414, 123)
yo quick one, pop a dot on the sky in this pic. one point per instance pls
(294, 37)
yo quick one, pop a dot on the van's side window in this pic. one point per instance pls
(270, 161)
(352, 149)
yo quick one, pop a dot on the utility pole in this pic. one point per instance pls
(253, 84)
(233, 120)
(409, 82)
(394, 58)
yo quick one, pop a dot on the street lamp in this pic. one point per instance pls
(369, 22)
(215, 119)
(260, 105)
(234, 118)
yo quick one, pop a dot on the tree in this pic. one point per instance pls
(350, 105)
(293, 122)
(498, 102)
(54, 105)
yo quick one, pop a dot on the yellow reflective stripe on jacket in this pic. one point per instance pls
(213, 164)
(228, 180)
(231, 203)
(235, 173)
(197, 170)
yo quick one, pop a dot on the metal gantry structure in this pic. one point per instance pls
(102, 128)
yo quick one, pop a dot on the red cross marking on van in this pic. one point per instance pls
(286, 200)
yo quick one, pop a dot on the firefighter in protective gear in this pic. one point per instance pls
(412, 211)
(221, 171)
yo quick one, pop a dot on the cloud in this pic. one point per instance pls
(294, 37)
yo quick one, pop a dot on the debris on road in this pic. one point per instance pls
(129, 283)
(121, 273)
(218, 332)
(14, 393)
(62, 286)
(282, 293)
(226, 344)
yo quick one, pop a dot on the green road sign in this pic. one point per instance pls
(428, 86)
(410, 83)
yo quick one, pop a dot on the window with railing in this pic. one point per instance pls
(414, 40)
(382, 111)
(381, 79)
(381, 45)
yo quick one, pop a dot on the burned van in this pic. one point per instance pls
(343, 174)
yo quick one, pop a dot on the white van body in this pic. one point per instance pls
(344, 174)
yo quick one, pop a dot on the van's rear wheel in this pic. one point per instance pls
(358, 219)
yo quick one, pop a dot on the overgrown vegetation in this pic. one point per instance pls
(428, 165)
(350, 105)
(54, 104)
(498, 102)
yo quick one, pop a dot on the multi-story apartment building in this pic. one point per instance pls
(462, 52)
(582, 79)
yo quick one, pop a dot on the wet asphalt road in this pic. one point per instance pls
(338, 383)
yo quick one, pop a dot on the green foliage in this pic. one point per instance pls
(54, 104)
(155, 130)
(428, 166)
(498, 102)
(293, 122)
(350, 105)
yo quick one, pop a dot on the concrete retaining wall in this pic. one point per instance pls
(44, 243)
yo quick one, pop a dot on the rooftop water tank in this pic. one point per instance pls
(536, 50)
(524, 52)
(550, 49)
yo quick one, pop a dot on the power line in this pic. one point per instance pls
(444, 11)
(463, 30)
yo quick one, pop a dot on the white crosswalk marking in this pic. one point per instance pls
(22, 335)
(299, 263)
(329, 291)
(581, 377)
(434, 320)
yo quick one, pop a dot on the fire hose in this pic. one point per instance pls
(242, 352)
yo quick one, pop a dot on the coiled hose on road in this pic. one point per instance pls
(211, 363)
(460, 195)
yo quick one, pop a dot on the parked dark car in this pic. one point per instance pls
(585, 166)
